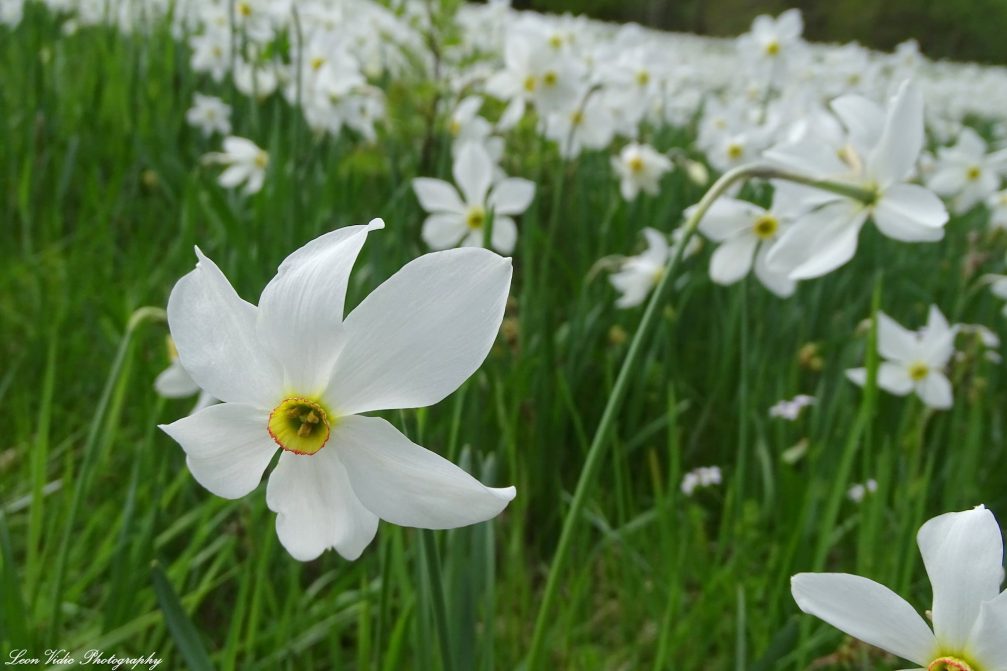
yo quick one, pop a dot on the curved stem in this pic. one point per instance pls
(597, 449)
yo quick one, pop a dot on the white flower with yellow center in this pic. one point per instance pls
(746, 233)
(914, 361)
(245, 162)
(965, 173)
(640, 168)
(210, 115)
(963, 554)
(295, 376)
(461, 218)
(637, 275)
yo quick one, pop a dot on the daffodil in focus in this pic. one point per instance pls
(246, 164)
(878, 158)
(640, 167)
(914, 361)
(963, 555)
(461, 218)
(295, 376)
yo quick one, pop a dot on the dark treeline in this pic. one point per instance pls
(971, 30)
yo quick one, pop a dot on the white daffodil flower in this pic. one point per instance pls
(771, 43)
(914, 362)
(997, 204)
(963, 554)
(640, 168)
(879, 158)
(965, 173)
(246, 163)
(746, 233)
(639, 274)
(461, 218)
(210, 115)
(175, 382)
(295, 376)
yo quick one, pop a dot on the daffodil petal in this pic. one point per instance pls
(301, 309)
(867, 611)
(408, 485)
(988, 640)
(227, 447)
(963, 554)
(422, 333)
(214, 333)
(316, 508)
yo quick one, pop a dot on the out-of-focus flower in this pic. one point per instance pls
(246, 163)
(210, 115)
(914, 361)
(294, 375)
(963, 555)
(879, 158)
(704, 476)
(639, 274)
(859, 491)
(965, 173)
(791, 409)
(772, 43)
(997, 204)
(640, 168)
(462, 218)
(746, 233)
(175, 382)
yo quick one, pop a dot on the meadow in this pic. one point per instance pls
(616, 552)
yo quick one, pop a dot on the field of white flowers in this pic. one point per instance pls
(651, 351)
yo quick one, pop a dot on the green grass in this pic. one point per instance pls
(107, 542)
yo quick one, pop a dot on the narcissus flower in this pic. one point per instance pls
(295, 376)
(246, 163)
(640, 168)
(639, 274)
(963, 555)
(914, 361)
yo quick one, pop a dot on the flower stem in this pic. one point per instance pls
(437, 591)
(596, 451)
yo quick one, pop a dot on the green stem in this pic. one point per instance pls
(437, 590)
(89, 450)
(596, 451)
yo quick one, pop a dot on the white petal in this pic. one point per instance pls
(227, 447)
(174, 382)
(301, 309)
(728, 217)
(316, 508)
(473, 172)
(658, 248)
(235, 175)
(504, 234)
(512, 196)
(894, 378)
(910, 213)
(901, 141)
(214, 332)
(857, 376)
(778, 283)
(444, 230)
(988, 640)
(963, 553)
(895, 342)
(436, 195)
(935, 391)
(867, 611)
(819, 242)
(948, 180)
(409, 485)
(418, 336)
(733, 259)
(863, 118)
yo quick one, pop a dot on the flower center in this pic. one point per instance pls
(244, 9)
(261, 160)
(917, 372)
(550, 79)
(765, 226)
(529, 84)
(635, 165)
(577, 118)
(317, 62)
(555, 41)
(299, 425)
(475, 218)
(973, 173)
(642, 77)
(734, 151)
(772, 48)
(950, 664)
(455, 127)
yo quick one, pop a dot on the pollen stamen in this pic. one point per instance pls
(300, 425)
